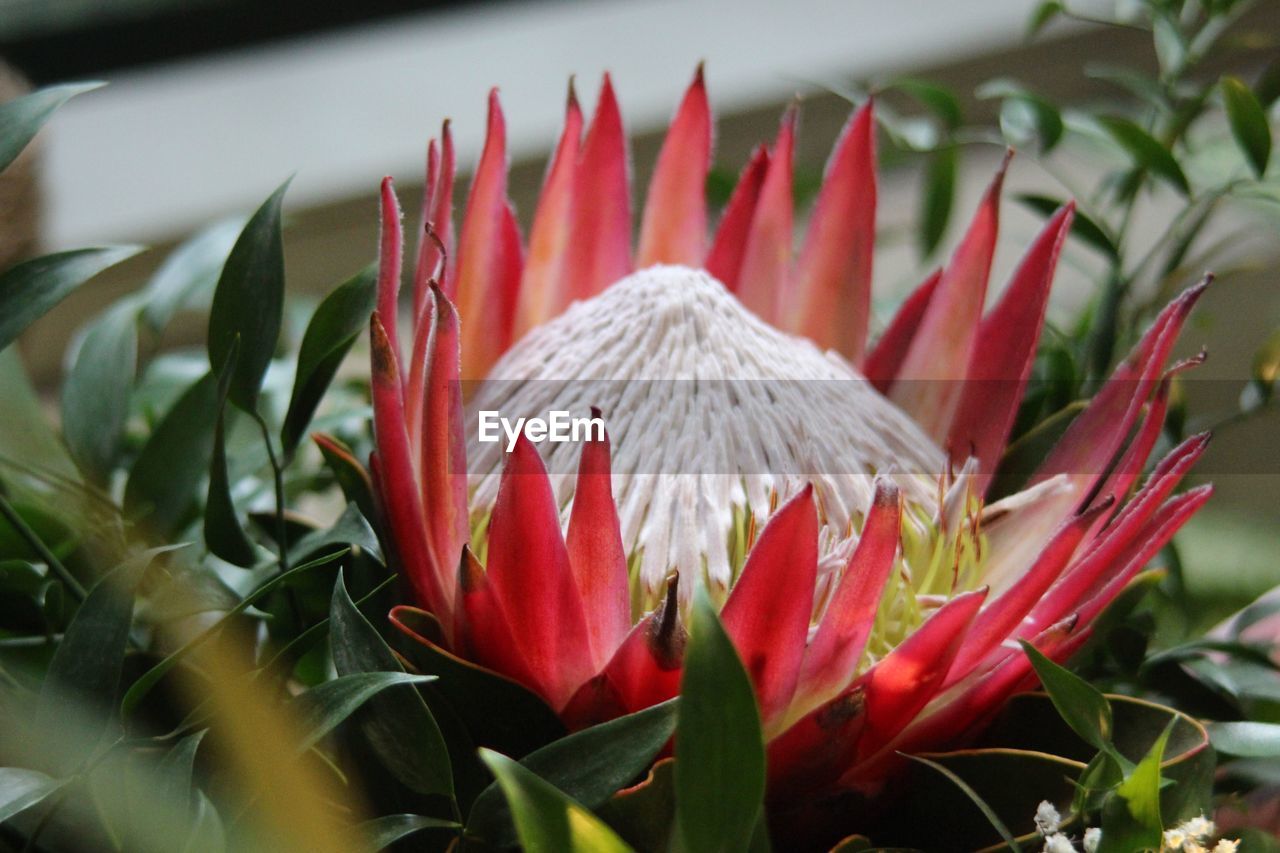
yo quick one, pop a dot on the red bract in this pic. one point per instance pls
(872, 619)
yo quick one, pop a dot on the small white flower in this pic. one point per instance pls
(1174, 838)
(1058, 843)
(1092, 838)
(1199, 827)
(1047, 818)
(1225, 846)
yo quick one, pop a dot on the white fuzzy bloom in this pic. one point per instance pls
(1225, 846)
(1173, 839)
(1199, 827)
(1058, 843)
(1047, 818)
(1092, 838)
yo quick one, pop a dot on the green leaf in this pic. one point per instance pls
(22, 118)
(223, 534)
(397, 724)
(333, 328)
(1146, 151)
(1081, 705)
(1082, 226)
(1247, 739)
(327, 705)
(189, 269)
(95, 396)
(384, 831)
(987, 812)
(939, 197)
(1024, 115)
(1248, 123)
(941, 101)
(546, 819)
(29, 290)
(352, 477)
(164, 479)
(140, 688)
(351, 528)
(720, 772)
(590, 766)
(1131, 815)
(249, 302)
(1171, 48)
(1040, 17)
(21, 789)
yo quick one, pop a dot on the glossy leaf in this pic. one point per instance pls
(95, 396)
(329, 704)
(22, 118)
(29, 290)
(333, 328)
(223, 534)
(939, 197)
(1246, 739)
(397, 724)
(1081, 705)
(188, 270)
(720, 764)
(174, 460)
(589, 766)
(1248, 123)
(545, 818)
(1146, 151)
(249, 302)
(21, 789)
(382, 832)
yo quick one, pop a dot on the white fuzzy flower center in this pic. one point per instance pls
(715, 417)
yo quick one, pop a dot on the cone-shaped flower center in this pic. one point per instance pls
(715, 416)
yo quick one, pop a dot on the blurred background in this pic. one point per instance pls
(212, 103)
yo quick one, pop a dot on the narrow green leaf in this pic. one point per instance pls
(1080, 704)
(590, 766)
(1024, 116)
(939, 197)
(333, 328)
(352, 477)
(546, 819)
(188, 270)
(1146, 151)
(1041, 15)
(95, 396)
(940, 101)
(351, 528)
(1171, 48)
(968, 791)
(327, 705)
(397, 724)
(1247, 739)
(21, 789)
(151, 677)
(22, 118)
(223, 534)
(1248, 123)
(1131, 815)
(29, 290)
(249, 302)
(163, 482)
(720, 772)
(1082, 226)
(384, 831)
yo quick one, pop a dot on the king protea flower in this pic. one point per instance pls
(828, 493)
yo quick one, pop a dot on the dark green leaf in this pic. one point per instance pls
(1043, 13)
(22, 118)
(95, 396)
(1082, 227)
(397, 724)
(1248, 123)
(249, 302)
(940, 101)
(165, 477)
(1247, 739)
(1081, 705)
(720, 772)
(1131, 815)
(384, 831)
(334, 327)
(21, 789)
(223, 534)
(590, 766)
(986, 810)
(351, 528)
(189, 269)
(546, 819)
(939, 197)
(30, 289)
(1146, 151)
(327, 705)
(1267, 89)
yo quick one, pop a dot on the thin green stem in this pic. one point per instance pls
(277, 471)
(37, 544)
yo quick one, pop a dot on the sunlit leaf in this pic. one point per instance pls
(22, 118)
(1081, 705)
(1131, 816)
